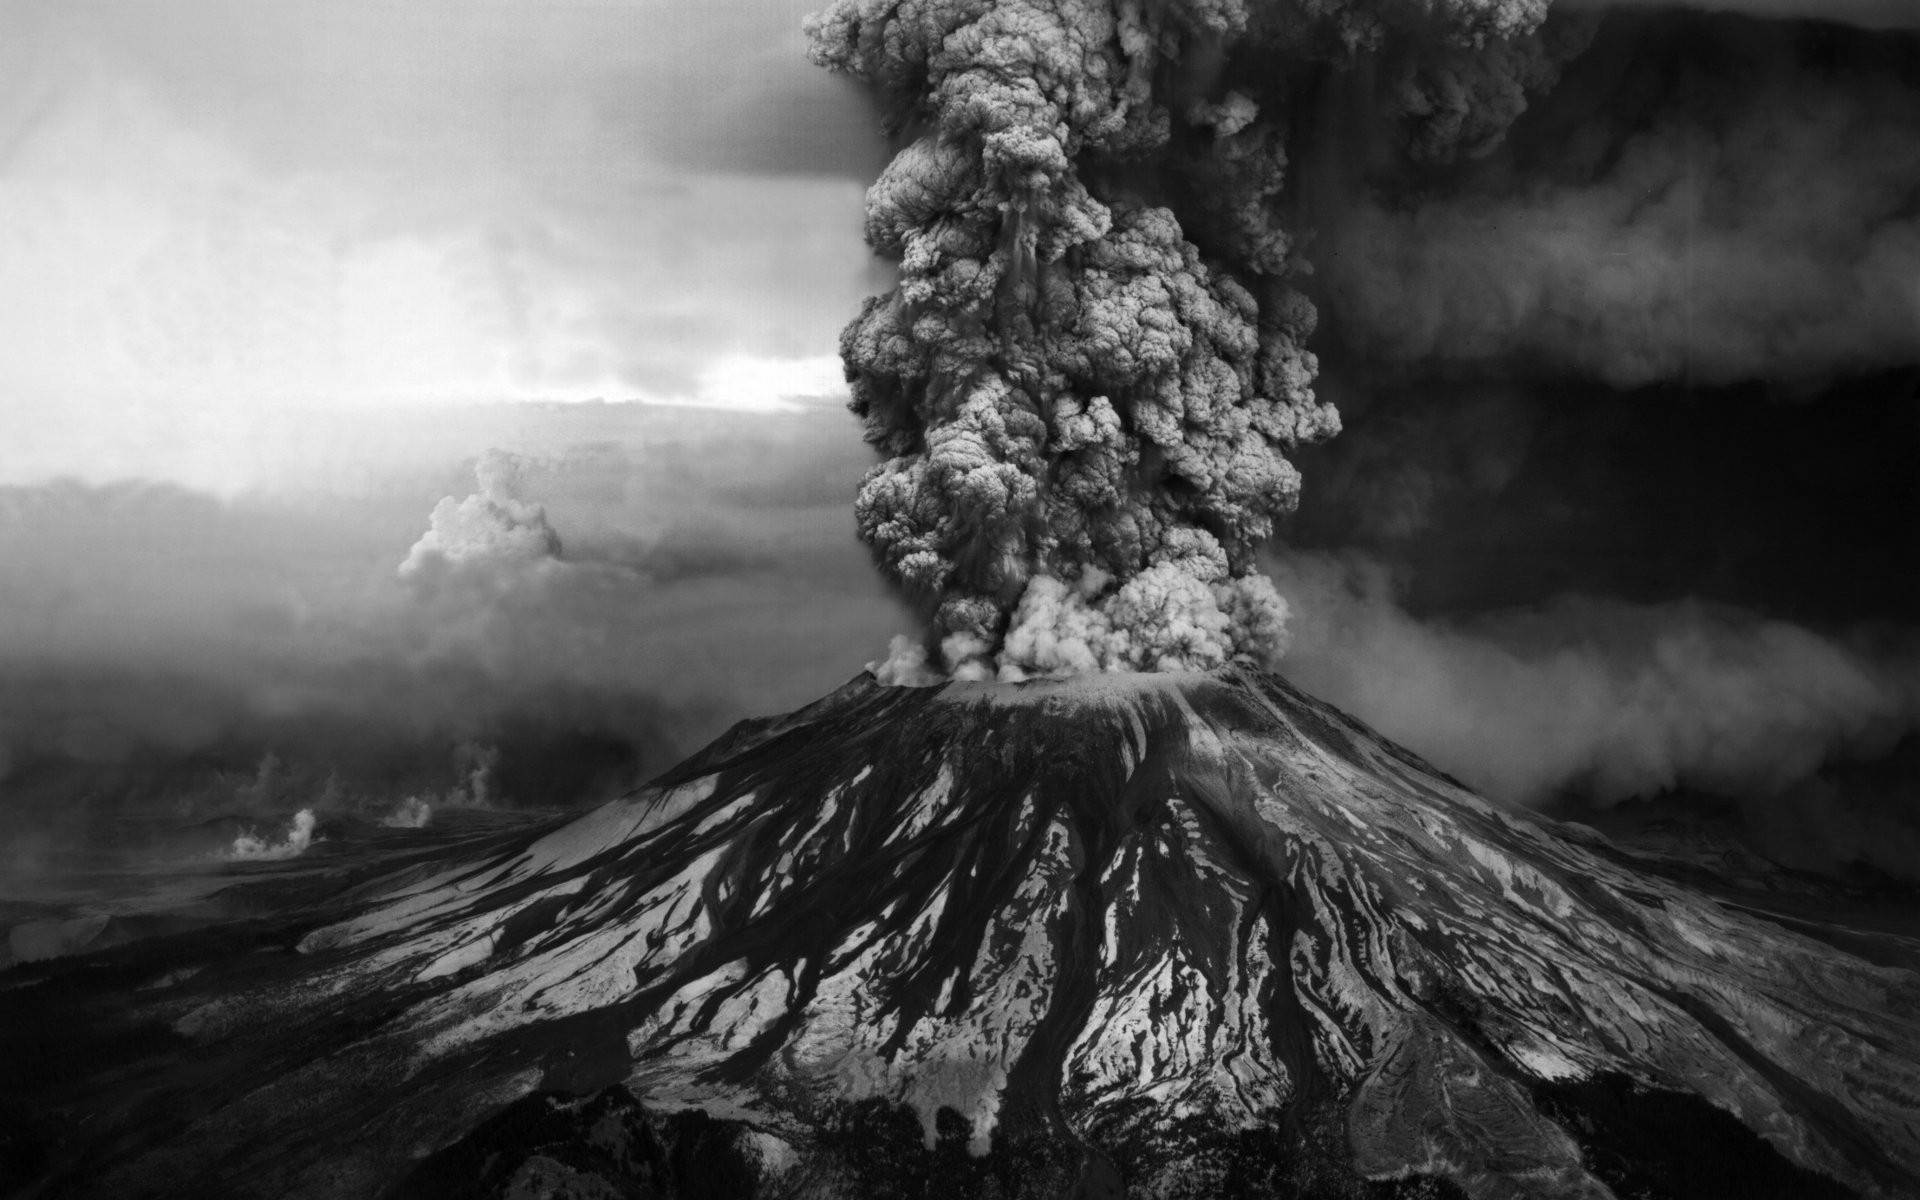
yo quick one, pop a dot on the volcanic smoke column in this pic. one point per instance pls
(1084, 417)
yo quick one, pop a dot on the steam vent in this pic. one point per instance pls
(1143, 935)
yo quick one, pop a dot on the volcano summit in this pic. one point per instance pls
(1158, 935)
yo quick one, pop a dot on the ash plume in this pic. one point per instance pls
(159, 647)
(1868, 14)
(1085, 414)
(1143, 249)
(1093, 372)
(1699, 199)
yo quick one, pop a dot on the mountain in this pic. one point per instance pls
(1153, 935)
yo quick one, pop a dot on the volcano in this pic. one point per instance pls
(1145, 935)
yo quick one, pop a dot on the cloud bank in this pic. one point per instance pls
(231, 210)
(1708, 205)
(158, 646)
(1604, 699)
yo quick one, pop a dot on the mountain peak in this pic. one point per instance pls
(1159, 926)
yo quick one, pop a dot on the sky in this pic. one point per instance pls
(220, 214)
(234, 235)
(277, 277)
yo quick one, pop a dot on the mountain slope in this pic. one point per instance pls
(1140, 928)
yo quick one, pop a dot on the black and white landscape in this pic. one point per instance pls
(1358, 641)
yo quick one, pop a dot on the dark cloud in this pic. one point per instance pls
(1698, 199)
(1850, 815)
(1618, 309)
(1084, 419)
(1093, 368)
(1602, 700)
(1493, 492)
(1627, 364)
(1869, 14)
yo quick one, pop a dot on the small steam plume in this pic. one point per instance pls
(251, 847)
(473, 766)
(491, 526)
(259, 792)
(410, 813)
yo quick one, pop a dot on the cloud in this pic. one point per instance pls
(251, 847)
(1710, 208)
(363, 83)
(269, 206)
(1084, 418)
(493, 526)
(1600, 699)
(156, 643)
(1085, 368)
(1869, 14)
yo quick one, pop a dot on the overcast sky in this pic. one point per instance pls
(217, 211)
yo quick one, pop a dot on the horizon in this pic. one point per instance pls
(285, 283)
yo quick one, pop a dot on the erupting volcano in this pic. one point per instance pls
(1074, 894)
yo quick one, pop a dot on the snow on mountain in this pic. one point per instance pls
(1144, 930)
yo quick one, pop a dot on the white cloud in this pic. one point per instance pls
(296, 208)
(747, 384)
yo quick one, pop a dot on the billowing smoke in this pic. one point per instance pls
(1619, 303)
(1088, 377)
(251, 847)
(410, 813)
(1601, 698)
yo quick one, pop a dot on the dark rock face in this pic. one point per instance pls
(1180, 936)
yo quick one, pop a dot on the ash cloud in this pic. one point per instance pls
(1868, 14)
(1095, 372)
(1704, 200)
(1084, 419)
(1574, 597)
(1617, 304)
(490, 526)
(252, 847)
(167, 654)
(1602, 699)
